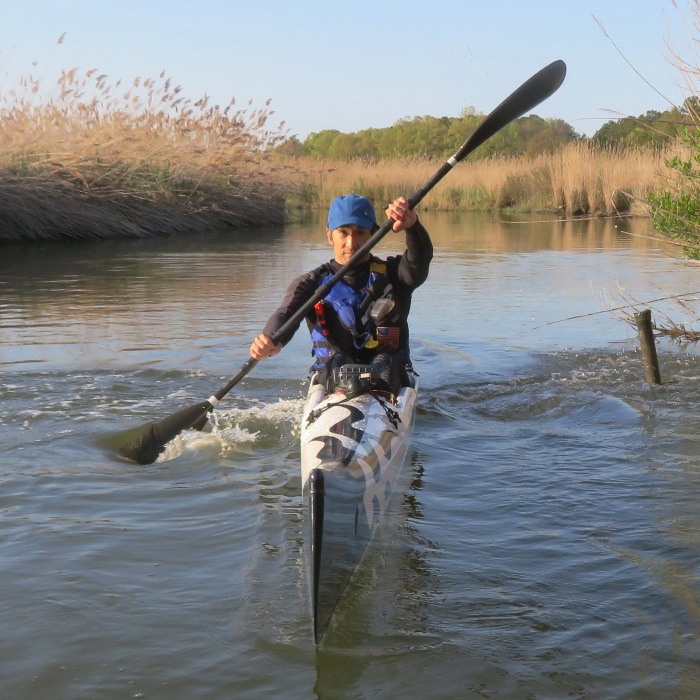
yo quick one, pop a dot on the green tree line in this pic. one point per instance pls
(649, 129)
(437, 137)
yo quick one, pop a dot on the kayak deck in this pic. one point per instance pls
(353, 448)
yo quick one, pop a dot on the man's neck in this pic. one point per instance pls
(357, 275)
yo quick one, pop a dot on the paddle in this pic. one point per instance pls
(144, 444)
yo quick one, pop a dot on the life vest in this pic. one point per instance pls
(360, 322)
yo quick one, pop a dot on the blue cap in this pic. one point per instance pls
(352, 209)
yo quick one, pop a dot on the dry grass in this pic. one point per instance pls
(93, 159)
(96, 159)
(580, 179)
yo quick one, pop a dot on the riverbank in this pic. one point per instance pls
(42, 199)
(93, 159)
(120, 201)
(148, 162)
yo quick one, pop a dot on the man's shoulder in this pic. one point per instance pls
(313, 275)
(388, 265)
(388, 260)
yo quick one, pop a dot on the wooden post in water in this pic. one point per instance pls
(648, 346)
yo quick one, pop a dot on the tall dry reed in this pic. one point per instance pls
(93, 159)
(579, 179)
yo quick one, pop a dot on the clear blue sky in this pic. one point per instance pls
(358, 64)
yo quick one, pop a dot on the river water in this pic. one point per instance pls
(544, 542)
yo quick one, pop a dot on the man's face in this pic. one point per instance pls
(346, 240)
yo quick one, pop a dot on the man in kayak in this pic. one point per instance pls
(364, 317)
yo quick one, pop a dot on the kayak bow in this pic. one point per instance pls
(352, 448)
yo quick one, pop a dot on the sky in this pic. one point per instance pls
(360, 64)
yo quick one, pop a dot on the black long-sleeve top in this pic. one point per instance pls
(406, 272)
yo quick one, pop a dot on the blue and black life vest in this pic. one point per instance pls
(347, 319)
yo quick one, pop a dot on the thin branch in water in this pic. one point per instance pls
(617, 308)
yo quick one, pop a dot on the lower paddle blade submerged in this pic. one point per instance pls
(145, 444)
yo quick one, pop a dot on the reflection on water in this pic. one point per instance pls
(545, 541)
(132, 302)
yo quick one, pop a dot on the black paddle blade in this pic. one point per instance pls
(149, 441)
(533, 91)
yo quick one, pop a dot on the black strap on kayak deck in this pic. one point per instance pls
(391, 414)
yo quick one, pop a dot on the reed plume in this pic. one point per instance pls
(95, 158)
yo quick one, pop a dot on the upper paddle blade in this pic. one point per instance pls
(149, 441)
(533, 91)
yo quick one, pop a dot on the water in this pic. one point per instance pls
(545, 542)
